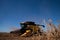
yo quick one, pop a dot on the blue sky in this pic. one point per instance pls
(12, 12)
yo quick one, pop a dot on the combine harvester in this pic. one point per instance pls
(28, 29)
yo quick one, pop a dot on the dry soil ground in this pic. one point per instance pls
(8, 36)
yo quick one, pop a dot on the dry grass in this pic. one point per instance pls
(53, 33)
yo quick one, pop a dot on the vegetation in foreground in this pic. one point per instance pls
(52, 33)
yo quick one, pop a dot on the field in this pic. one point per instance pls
(52, 33)
(8, 36)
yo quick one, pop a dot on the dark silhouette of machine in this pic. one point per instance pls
(28, 28)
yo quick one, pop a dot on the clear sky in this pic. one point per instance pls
(12, 12)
